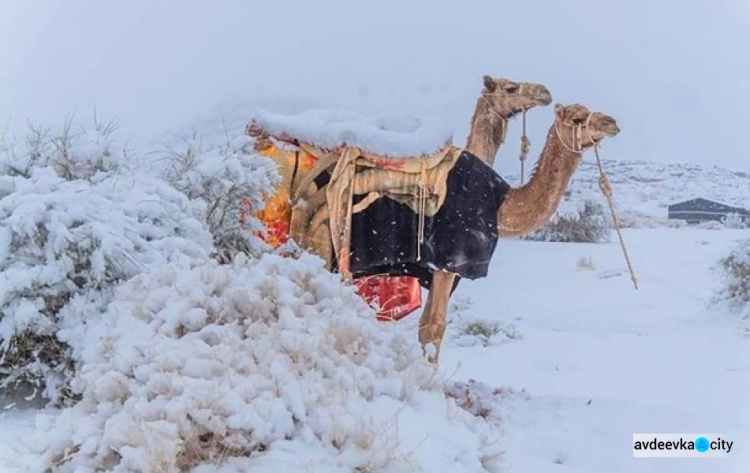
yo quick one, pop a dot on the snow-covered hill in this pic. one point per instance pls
(647, 188)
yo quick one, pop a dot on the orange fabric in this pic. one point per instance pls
(277, 214)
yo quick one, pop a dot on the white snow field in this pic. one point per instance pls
(581, 363)
(600, 361)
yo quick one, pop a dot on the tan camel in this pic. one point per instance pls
(524, 209)
(527, 208)
(501, 100)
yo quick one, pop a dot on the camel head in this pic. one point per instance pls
(509, 98)
(579, 128)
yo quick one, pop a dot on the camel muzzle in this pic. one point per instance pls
(539, 93)
(609, 126)
(544, 98)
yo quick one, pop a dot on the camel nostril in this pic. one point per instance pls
(609, 126)
(544, 97)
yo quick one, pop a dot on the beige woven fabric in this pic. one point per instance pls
(420, 184)
(321, 218)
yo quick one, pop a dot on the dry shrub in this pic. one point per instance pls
(588, 225)
(735, 270)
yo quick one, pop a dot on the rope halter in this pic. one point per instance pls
(525, 142)
(503, 120)
(578, 129)
(491, 106)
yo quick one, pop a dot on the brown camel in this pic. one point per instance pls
(523, 210)
(527, 208)
(501, 100)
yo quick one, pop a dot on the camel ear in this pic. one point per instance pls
(559, 110)
(489, 83)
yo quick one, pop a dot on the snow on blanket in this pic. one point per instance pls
(261, 365)
(386, 135)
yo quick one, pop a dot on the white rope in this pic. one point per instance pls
(422, 206)
(604, 184)
(606, 189)
(576, 132)
(503, 120)
(525, 146)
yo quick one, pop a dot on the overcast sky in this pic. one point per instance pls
(673, 73)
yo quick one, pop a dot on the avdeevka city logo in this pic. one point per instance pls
(702, 444)
(681, 445)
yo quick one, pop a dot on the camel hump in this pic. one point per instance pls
(390, 136)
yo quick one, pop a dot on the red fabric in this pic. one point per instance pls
(395, 296)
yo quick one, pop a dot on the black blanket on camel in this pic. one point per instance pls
(459, 238)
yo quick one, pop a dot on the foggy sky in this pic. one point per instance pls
(674, 74)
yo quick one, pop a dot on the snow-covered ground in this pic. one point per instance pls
(599, 361)
(590, 361)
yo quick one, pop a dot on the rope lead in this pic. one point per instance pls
(525, 147)
(606, 189)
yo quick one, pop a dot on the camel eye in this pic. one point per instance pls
(578, 121)
(511, 88)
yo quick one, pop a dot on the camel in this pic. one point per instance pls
(527, 208)
(501, 100)
(520, 211)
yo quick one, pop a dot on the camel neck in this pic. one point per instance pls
(488, 130)
(555, 166)
(528, 207)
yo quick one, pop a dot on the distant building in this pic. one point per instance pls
(700, 210)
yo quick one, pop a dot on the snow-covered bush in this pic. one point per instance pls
(735, 269)
(735, 221)
(470, 331)
(586, 225)
(74, 222)
(710, 225)
(635, 219)
(227, 184)
(264, 365)
(74, 152)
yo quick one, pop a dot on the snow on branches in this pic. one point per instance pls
(735, 270)
(75, 222)
(254, 364)
(227, 184)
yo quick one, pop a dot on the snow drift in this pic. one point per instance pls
(258, 364)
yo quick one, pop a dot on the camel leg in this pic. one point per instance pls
(432, 323)
(302, 213)
(322, 245)
(320, 217)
